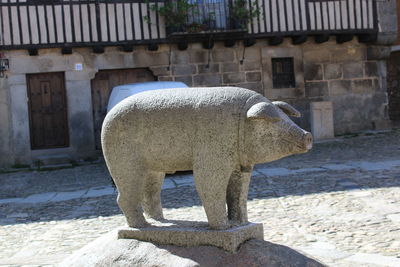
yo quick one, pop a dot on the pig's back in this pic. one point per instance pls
(190, 98)
(179, 105)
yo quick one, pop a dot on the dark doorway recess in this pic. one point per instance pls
(103, 83)
(47, 110)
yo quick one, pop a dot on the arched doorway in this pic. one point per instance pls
(103, 83)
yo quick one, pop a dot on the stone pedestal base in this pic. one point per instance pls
(190, 234)
(109, 251)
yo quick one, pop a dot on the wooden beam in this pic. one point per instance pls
(321, 38)
(342, 38)
(367, 38)
(249, 42)
(229, 43)
(209, 44)
(127, 48)
(33, 52)
(153, 47)
(276, 40)
(182, 45)
(299, 39)
(66, 50)
(98, 49)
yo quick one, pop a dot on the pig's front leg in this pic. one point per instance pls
(237, 192)
(211, 184)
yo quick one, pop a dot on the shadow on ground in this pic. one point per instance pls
(186, 196)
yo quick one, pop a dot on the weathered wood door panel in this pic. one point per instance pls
(47, 110)
(103, 83)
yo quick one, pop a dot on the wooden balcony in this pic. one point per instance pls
(33, 24)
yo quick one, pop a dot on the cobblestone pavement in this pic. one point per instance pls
(339, 204)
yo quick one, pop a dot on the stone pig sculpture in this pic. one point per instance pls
(219, 133)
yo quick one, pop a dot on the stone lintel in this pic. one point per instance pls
(199, 234)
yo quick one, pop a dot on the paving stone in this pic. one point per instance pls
(275, 171)
(18, 215)
(394, 218)
(10, 200)
(168, 184)
(377, 259)
(98, 192)
(325, 250)
(308, 170)
(64, 196)
(337, 167)
(184, 180)
(376, 166)
(309, 211)
(39, 198)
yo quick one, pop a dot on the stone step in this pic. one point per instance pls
(56, 166)
(54, 159)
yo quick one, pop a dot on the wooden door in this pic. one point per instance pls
(47, 110)
(103, 83)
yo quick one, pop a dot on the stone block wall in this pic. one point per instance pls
(219, 66)
(353, 77)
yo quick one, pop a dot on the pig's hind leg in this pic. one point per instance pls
(131, 183)
(236, 197)
(152, 195)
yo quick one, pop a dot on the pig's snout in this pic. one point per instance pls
(303, 140)
(308, 140)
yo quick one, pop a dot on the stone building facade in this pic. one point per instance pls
(352, 75)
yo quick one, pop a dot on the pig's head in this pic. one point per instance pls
(270, 134)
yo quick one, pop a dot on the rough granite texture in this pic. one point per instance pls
(219, 133)
(189, 234)
(110, 251)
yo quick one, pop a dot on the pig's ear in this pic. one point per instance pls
(263, 111)
(288, 109)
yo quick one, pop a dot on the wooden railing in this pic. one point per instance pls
(314, 16)
(71, 23)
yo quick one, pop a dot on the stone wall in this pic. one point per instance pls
(394, 86)
(351, 75)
